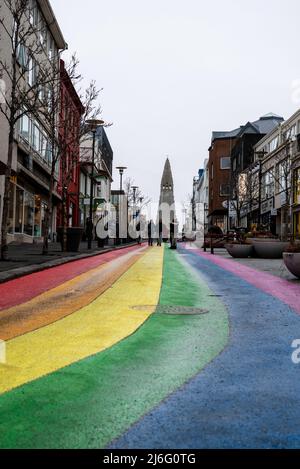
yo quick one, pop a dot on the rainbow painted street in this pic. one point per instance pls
(150, 348)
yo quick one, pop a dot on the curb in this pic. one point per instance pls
(31, 269)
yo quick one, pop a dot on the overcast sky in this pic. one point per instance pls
(174, 71)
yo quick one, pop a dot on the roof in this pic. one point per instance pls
(263, 125)
(52, 23)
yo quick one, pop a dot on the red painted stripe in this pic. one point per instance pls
(20, 290)
(285, 290)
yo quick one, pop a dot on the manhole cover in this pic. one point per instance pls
(172, 310)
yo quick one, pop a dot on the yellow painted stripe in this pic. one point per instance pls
(103, 323)
(67, 298)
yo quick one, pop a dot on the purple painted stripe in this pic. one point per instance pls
(285, 290)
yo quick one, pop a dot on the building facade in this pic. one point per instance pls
(71, 110)
(229, 155)
(219, 170)
(100, 176)
(32, 153)
(279, 184)
(200, 201)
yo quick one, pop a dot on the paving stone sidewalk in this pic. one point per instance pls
(271, 266)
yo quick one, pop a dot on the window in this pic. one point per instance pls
(297, 186)
(29, 205)
(31, 131)
(283, 175)
(19, 218)
(25, 128)
(225, 162)
(267, 185)
(50, 46)
(224, 190)
(274, 144)
(36, 138)
(33, 15)
(22, 56)
(212, 171)
(42, 30)
(291, 132)
(32, 72)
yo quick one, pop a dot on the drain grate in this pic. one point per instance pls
(172, 310)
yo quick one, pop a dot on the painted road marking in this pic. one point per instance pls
(95, 400)
(98, 326)
(23, 289)
(65, 299)
(286, 291)
(2, 352)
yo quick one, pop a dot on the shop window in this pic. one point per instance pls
(11, 208)
(28, 213)
(37, 217)
(19, 217)
(297, 186)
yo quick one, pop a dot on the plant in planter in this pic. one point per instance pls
(239, 248)
(291, 258)
(265, 244)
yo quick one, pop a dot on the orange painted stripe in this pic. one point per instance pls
(65, 299)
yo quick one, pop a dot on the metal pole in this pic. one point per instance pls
(90, 228)
(259, 195)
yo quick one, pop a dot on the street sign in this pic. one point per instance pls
(86, 201)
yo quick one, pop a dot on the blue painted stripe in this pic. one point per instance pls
(249, 397)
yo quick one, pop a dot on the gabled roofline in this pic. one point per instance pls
(52, 23)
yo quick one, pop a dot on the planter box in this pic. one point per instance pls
(239, 251)
(270, 249)
(74, 236)
(261, 240)
(292, 262)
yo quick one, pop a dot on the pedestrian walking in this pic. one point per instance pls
(150, 232)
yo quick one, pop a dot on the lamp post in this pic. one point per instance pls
(134, 188)
(93, 124)
(121, 170)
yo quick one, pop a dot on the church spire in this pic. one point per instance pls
(167, 185)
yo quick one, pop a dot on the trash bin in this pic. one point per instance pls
(74, 237)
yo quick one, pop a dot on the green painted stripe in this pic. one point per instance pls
(91, 402)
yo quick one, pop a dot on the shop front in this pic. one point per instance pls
(27, 212)
(296, 204)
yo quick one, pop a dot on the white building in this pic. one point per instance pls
(32, 153)
(275, 155)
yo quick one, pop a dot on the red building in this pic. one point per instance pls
(219, 166)
(69, 133)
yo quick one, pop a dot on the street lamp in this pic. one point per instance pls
(121, 170)
(93, 125)
(134, 188)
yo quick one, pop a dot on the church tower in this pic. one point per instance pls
(166, 200)
(167, 185)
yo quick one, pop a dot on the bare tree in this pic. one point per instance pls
(244, 191)
(138, 195)
(25, 71)
(64, 140)
(281, 172)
